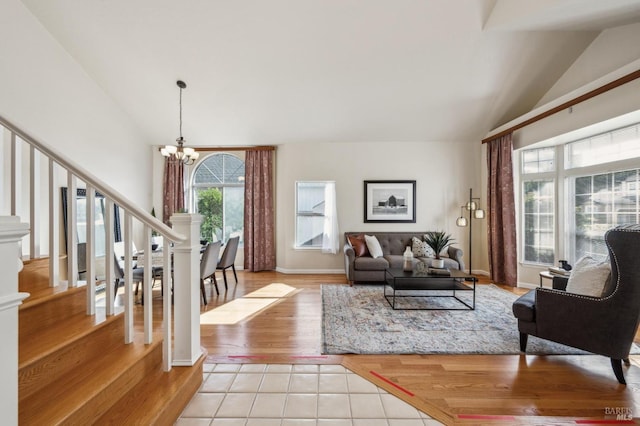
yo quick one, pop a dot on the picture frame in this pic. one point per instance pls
(390, 201)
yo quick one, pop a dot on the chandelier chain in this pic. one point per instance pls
(181, 113)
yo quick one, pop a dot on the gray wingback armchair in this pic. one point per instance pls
(603, 325)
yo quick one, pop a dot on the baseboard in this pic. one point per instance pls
(310, 271)
(479, 272)
(528, 285)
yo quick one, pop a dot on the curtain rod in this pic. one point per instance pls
(236, 148)
(593, 93)
(232, 148)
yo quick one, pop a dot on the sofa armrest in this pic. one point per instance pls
(456, 254)
(349, 258)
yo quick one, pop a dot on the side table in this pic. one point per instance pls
(546, 275)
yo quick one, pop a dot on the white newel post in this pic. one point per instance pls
(186, 290)
(11, 232)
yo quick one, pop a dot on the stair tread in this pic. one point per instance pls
(150, 396)
(41, 295)
(59, 400)
(47, 340)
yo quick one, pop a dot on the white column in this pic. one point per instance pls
(11, 232)
(186, 288)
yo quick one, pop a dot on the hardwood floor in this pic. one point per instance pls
(455, 389)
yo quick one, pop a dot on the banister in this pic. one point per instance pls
(140, 214)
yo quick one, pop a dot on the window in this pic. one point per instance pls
(538, 205)
(538, 160)
(218, 194)
(597, 184)
(313, 202)
(604, 148)
(600, 202)
(538, 196)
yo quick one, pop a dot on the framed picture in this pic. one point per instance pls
(390, 201)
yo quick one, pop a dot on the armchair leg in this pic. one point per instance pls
(626, 361)
(617, 370)
(224, 275)
(234, 272)
(523, 342)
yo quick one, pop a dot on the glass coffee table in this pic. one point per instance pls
(422, 284)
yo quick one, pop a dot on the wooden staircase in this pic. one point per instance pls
(76, 369)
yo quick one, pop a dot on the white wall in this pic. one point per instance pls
(443, 171)
(47, 94)
(611, 50)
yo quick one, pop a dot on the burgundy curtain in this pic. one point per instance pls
(501, 217)
(259, 220)
(173, 188)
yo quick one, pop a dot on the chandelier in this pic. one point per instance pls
(187, 155)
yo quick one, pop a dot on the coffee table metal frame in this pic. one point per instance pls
(400, 280)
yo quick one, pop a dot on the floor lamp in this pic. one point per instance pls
(475, 212)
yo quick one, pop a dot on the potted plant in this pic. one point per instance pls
(438, 241)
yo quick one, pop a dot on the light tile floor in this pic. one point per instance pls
(288, 395)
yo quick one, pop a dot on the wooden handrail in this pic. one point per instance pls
(140, 214)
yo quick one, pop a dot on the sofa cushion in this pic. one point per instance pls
(396, 261)
(420, 248)
(373, 245)
(524, 308)
(589, 277)
(370, 264)
(359, 245)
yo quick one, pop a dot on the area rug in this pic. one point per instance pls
(358, 320)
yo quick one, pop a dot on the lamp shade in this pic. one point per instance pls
(461, 221)
(479, 214)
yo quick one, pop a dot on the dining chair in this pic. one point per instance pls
(138, 274)
(208, 265)
(138, 271)
(228, 258)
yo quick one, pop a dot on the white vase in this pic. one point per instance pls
(437, 263)
(407, 264)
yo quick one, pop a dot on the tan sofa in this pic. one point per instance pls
(366, 269)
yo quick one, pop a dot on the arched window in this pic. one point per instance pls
(218, 194)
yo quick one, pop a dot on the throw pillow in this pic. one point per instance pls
(420, 248)
(373, 245)
(589, 277)
(359, 245)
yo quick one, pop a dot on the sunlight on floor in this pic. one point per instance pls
(247, 306)
(273, 290)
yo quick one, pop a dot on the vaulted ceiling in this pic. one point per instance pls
(282, 71)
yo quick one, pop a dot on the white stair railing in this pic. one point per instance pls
(183, 239)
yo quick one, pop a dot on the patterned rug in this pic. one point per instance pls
(359, 320)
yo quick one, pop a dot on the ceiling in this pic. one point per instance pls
(282, 71)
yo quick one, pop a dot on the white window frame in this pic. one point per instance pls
(193, 187)
(522, 178)
(564, 227)
(295, 215)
